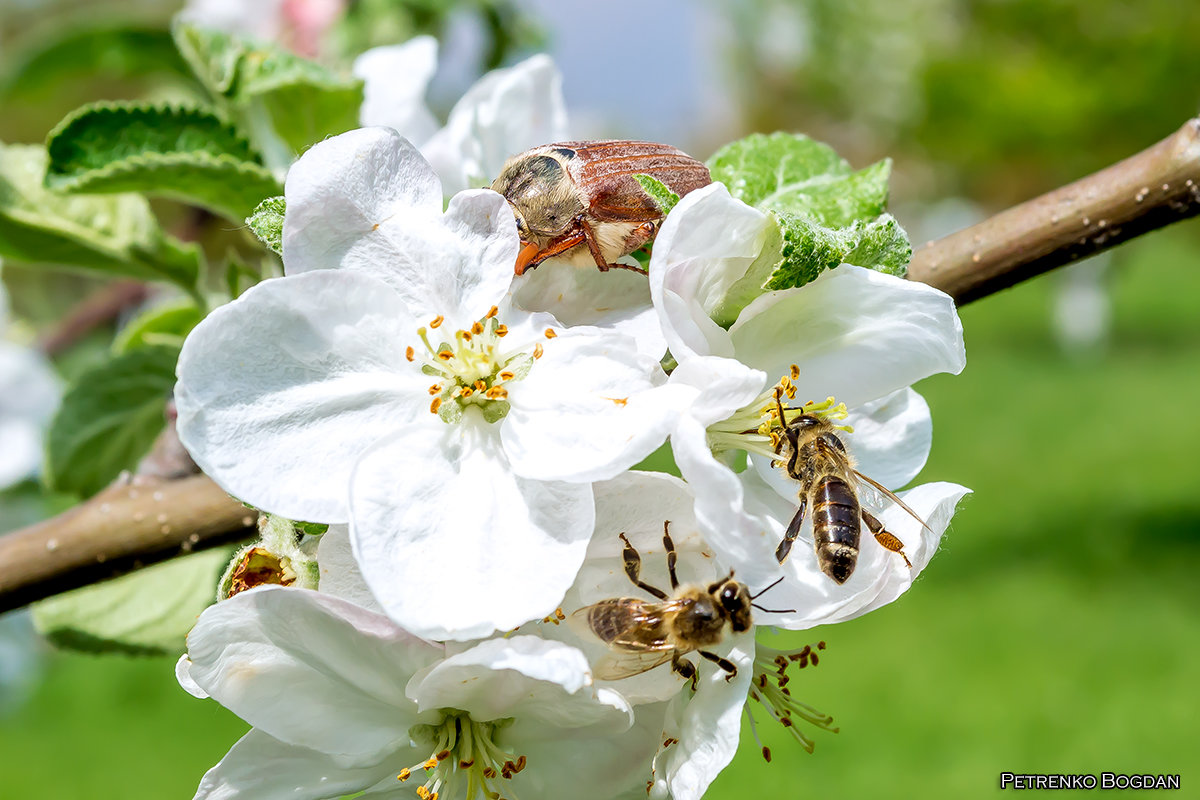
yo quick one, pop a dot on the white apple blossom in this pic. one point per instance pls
(505, 112)
(342, 701)
(387, 381)
(29, 396)
(854, 334)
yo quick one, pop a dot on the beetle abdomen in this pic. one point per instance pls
(604, 173)
(836, 514)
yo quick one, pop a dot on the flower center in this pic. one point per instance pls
(756, 427)
(770, 688)
(471, 368)
(464, 755)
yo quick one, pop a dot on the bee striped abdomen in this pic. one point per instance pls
(836, 515)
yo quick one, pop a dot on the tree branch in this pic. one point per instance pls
(154, 518)
(127, 526)
(1150, 190)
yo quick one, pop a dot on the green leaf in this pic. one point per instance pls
(304, 101)
(109, 418)
(267, 223)
(124, 50)
(800, 249)
(165, 324)
(659, 192)
(185, 153)
(311, 528)
(116, 234)
(146, 613)
(800, 176)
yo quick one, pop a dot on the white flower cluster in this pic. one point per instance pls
(469, 438)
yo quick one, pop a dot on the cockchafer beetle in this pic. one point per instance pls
(580, 200)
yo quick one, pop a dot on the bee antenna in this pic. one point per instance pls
(774, 610)
(764, 591)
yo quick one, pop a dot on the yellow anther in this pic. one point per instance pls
(445, 355)
(507, 376)
(795, 372)
(493, 311)
(480, 386)
(410, 354)
(537, 350)
(435, 405)
(404, 774)
(502, 330)
(550, 334)
(435, 389)
(436, 321)
(464, 335)
(430, 764)
(477, 328)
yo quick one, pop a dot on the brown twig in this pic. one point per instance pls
(103, 306)
(127, 526)
(1150, 190)
(155, 518)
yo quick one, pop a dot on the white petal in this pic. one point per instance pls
(341, 192)
(736, 534)
(591, 407)
(705, 245)
(617, 300)
(29, 396)
(310, 670)
(890, 442)
(708, 726)
(394, 82)
(591, 763)
(812, 598)
(281, 390)
(447, 536)
(724, 385)
(259, 767)
(524, 677)
(506, 112)
(340, 575)
(183, 674)
(857, 334)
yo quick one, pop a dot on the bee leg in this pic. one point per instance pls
(793, 530)
(889, 541)
(633, 568)
(686, 669)
(589, 236)
(723, 663)
(671, 555)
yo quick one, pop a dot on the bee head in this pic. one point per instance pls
(735, 600)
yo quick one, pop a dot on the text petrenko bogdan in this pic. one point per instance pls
(1104, 780)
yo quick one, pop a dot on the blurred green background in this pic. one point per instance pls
(1057, 630)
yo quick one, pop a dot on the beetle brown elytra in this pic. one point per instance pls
(580, 200)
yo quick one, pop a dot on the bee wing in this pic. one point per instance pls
(623, 622)
(891, 496)
(617, 664)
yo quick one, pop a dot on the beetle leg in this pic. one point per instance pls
(589, 236)
(528, 260)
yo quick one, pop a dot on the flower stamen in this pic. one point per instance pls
(769, 687)
(469, 753)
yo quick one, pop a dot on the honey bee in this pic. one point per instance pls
(818, 460)
(580, 200)
(642, 635)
